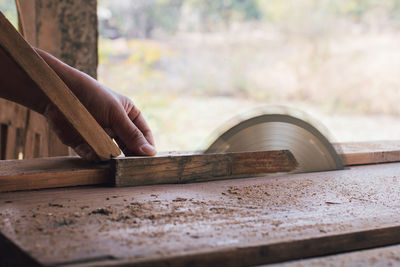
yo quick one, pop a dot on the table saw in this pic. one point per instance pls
(351, 214)
(271, 189)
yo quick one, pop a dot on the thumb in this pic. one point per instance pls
(131, 137)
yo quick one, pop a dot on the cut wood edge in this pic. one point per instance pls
(59, 94)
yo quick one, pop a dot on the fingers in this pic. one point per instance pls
(86, 152)
(132, 137)
(137, 118)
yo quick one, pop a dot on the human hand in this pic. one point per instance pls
(117, 114)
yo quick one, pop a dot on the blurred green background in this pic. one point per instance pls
(191, 65)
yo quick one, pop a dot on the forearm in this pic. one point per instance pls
(16, 86)
(114, 112)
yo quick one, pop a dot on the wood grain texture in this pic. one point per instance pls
(56, 90)
(53, 172)
(259, 254)
(243, 221)
(358, 153)
(131, 171)
(69, 171)
(69, 31)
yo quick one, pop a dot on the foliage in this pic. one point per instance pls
(214, 13)
(140, 18)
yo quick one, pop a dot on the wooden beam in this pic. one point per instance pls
(48, 81)
(359, 153)
(54, 172)
(259, 254)
(69, 171)
(381, 256)
(172, 167)
(133, 171)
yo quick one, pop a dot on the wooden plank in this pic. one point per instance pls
(167, 165)
(232, 222)
(386, 256)
(133, 171)
(27, 20)
(50, 172)
(69, 171)
(277, 253)
(358, 153)
(12, 255)
(56, 90)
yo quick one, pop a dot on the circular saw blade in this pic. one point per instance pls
(309, 146)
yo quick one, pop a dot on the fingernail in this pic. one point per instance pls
(148, 150)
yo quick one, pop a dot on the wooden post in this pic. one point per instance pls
(67, 30)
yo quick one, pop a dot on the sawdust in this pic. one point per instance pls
(102, 211)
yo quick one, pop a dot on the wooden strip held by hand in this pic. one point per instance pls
(201, 167)
(56, 90)
(68, 171)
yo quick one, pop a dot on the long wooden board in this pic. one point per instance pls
(50, 173)
(56, 90)
(68, 171)
(385, 256)
(232, 222)
(358, 153)
(200, 167)
(84, 173)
